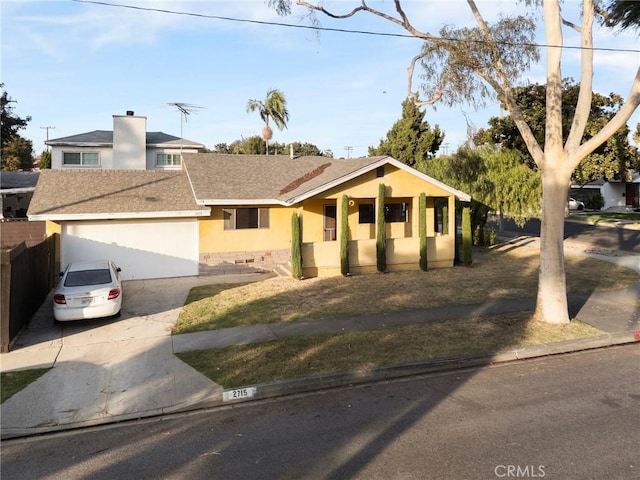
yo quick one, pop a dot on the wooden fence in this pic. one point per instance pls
(27, 275)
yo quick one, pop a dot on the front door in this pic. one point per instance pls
(632, 194)
(330, 213)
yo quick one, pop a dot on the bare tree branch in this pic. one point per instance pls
(583, 104)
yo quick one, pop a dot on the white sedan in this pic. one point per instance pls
(88, 290)
(575, 204)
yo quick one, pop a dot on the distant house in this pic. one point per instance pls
(622, 193)
(232, 213)
(16, 189)
(127, 147)
(616, 193)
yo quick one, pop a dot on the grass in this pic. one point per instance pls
(503, 272)
(496, 274)
(242, 365)
(596, 218)
(13, 382)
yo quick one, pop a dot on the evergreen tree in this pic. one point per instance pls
(466, 237)
(381, 236)
(411, 139)
(422, 230)
(16, 153)
(44, 161)
(296, 246)
(344, 236)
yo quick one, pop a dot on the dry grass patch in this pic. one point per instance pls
(243, 365)
(506, 272)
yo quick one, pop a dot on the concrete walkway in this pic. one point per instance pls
(115, 370)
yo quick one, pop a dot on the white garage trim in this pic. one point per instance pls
(143, 249)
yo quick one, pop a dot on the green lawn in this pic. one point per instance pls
(12, 382)
(600, 218)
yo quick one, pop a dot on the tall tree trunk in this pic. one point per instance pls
(551, 303)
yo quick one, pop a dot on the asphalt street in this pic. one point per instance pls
(565, 417)
(607, 238)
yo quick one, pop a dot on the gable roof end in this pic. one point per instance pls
(223, 179)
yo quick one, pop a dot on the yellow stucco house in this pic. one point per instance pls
(252, 198)
(221, 214)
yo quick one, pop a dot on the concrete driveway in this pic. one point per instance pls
(107, 370)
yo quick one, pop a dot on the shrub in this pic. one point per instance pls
(595, 201)
(344, 236)
(381, 236)
(422, 230)
(466, 236)
(296, 246)
(488, 238)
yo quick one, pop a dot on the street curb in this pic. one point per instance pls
(281, 388)
(624, 224)
(314, 383)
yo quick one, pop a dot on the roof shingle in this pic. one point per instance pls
(105, 137)
(133, 192)
(278, 178)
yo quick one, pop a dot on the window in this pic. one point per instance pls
(366, 213)
(396, 212)
(243, 218)
(81, 158)
(441, 219)
(330, 216)
(168, 159)
(81, 278)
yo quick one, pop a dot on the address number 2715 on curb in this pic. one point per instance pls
(239, 394)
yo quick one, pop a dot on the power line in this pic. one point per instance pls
(342, 30)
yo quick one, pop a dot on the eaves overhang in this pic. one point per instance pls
(80, 144)
(59, 217)
(241, 201)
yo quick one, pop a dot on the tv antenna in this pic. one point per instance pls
(185, 110)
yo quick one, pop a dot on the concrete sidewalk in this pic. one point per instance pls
(115, 370)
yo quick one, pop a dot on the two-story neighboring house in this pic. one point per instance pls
(122, 195)
(127, 147)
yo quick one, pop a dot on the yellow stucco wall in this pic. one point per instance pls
(52, 227)
(214, 238)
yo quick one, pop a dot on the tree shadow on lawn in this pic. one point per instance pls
(499, 274)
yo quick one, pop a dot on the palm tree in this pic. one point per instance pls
(274, 107)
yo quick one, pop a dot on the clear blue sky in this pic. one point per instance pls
(73, 65)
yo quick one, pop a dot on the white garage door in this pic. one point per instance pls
(142, 249)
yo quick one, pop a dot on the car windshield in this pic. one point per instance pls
(87, 277)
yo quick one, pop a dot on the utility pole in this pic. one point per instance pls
(47, 128)
(349, 149)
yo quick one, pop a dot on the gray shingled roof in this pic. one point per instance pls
(105, 137)
(10, 180)
(277, 178)
(137, 193)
